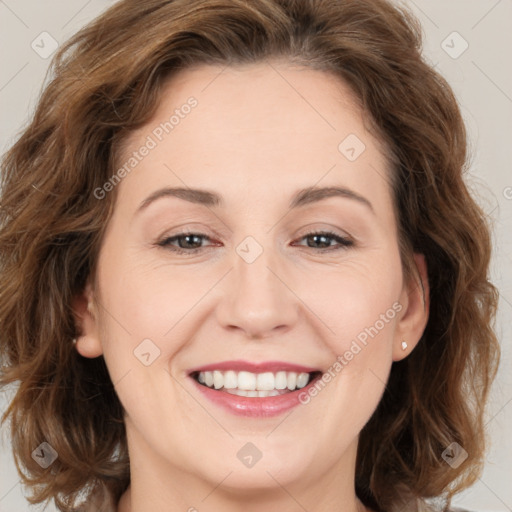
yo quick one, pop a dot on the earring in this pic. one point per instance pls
(74, 341)
(404, 345)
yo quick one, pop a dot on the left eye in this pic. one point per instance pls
(324, 238)
(192, 242)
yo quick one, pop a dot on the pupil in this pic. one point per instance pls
(319, 238)
(189, 239)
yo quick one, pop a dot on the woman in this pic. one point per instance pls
(240, 268)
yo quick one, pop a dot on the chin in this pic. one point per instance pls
(256, 481)
(271, 470)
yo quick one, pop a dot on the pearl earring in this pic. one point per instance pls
(404, 345)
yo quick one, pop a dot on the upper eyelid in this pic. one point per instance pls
(308, 229)
(327, 232)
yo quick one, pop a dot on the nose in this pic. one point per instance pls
(257, 300)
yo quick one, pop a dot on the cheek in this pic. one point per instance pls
(356, 303)
(134, 318)
(148, 301)
(364, 321)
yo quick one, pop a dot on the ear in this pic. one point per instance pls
(415, 301)
(88, 342)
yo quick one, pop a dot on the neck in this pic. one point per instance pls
(158, 486)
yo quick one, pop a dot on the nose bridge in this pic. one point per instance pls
(256, 300)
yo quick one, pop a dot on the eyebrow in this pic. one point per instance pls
(211, 199)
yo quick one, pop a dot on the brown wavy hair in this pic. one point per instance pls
(105, 82)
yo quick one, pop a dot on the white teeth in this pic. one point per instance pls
(302, 380)
(272, 392)
(281, 381)
(292, 380)
(246, 381)
(230, 380)
(218, 380)
(208, 379)
(265, 381)
(254, 384)
(261, 394)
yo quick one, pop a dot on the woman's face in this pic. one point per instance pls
(266, 158)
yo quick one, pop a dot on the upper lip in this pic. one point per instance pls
(259, 367)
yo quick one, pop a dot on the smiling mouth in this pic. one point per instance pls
(250, 384)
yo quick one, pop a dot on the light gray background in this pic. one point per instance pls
(482, 79)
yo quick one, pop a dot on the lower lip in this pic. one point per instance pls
(256, 407)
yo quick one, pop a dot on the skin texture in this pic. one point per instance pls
(258, 134)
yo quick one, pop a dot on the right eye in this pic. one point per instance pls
(186, 242)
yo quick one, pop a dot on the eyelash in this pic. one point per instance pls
(342, 241)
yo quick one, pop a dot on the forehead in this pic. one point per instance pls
(268, 123)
